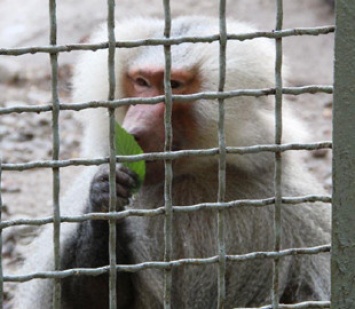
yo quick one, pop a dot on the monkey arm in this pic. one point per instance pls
(89, 247)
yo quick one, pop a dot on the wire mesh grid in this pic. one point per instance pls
(168, 210)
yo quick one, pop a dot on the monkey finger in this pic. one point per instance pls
(99, 186)
(123, 191)
(126, 177)
(99, 201)
(102, 174)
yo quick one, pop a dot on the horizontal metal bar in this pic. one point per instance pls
(312, 89)
(169, 41)
(168, 265)
(166, 155)
(176, 209)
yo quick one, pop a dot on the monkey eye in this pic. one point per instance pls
(141, 82)
(175, 84)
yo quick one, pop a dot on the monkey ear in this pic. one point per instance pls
(127, 145)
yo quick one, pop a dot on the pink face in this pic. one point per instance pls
(146, 121)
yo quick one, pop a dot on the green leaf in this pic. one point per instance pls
(126, 145)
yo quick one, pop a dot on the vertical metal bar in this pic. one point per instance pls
(1, 261)
(343, 236)
(168, 226)
(222, 157)
(56, 149)
(278, 155)
(112, 164)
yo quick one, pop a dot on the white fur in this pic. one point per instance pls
(249, 121)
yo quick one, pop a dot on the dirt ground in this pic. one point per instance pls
(25, 80)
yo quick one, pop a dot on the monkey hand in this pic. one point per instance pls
(126, 181)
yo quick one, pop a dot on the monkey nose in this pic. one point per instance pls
(146, 124)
